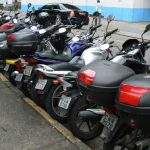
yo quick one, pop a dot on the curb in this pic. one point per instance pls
(55, 124)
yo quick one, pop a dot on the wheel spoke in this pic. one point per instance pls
(88, 124)
(80, 124)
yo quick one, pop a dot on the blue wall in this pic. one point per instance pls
(123, 14)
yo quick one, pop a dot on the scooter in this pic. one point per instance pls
(102, 88)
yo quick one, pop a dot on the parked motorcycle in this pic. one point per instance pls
(56, 93)
(102, 88)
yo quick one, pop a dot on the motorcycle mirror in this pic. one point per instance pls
(33, 28)
(104, 47)
(62, 30)
(7, 18)
(42, 31)
(110, 18)
(75, 39)
(27, 20)
(29, 5)
(135, 51)
(147, 28)
(15, 21)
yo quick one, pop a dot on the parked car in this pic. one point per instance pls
(62, 13)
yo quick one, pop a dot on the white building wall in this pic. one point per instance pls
(105, 3)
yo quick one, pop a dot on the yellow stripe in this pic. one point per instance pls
(11, 61)
(2, 77)
(57, 125)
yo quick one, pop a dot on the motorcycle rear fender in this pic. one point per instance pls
(75, 95)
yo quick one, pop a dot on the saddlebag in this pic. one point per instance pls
(100, 80)
(133, 101)
(22, 43)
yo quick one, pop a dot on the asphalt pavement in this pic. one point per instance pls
(22, 128)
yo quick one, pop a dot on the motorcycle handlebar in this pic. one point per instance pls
(111, 32)
(96, 27)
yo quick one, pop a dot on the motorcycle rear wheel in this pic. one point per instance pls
(51, 104)
(81, 105)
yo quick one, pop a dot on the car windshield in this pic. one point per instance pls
(68, 6)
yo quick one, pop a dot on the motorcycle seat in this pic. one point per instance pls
(65, 67)
(64, 56)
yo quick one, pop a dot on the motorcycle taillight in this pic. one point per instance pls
(20, 64)
(40, 74)
(10, 37)
(72, 13)
(87, 76)
(130, 94)
(31, 60)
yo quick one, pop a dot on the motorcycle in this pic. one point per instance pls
(102, 88)
(100, 50)
(56, 54)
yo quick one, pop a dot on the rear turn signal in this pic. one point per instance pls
(87, 76)
(131, 95)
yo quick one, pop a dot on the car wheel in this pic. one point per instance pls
(58, 20)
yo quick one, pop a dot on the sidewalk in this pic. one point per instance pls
(22, 128)
(127, 28)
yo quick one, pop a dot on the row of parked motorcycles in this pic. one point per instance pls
(79, 79)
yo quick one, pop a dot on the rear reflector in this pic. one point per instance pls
(87, 76)
(131, 95)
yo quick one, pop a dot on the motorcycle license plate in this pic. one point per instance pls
(6, 68)
(41, 84)
(28, 70)
(64, 102)
(109, 121)
(19, 77)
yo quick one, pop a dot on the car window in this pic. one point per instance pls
(50, 7)
(68, 6)
(56, 7)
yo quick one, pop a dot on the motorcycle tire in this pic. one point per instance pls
(50, 104)
(38, 99)
(78, 106)
(25, 90)
(109, 146)
(12, 78)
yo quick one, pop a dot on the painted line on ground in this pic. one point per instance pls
(55, 124)
(2, 77)
(78, 143)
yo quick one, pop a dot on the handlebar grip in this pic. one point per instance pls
(111, 32)
(94, 28)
